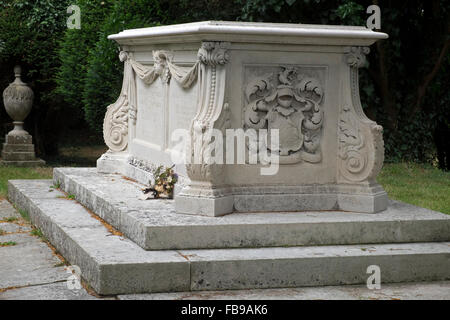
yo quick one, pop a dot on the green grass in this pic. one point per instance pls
(56, 185)
(68, 196)
(25, 215)
(13, 173)
(7, 244)
(38, 233)
(418, 184)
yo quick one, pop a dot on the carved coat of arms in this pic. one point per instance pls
(291, 103)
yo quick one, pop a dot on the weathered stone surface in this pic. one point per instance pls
(19, 238)
(18, 140)
(18, 101)
(18, 156)
(18, 147)
(401, 291)
(111, 264)
(7, 210)
(53, 291)
(18, 150)
(154, 224)
(13, 228)
(114, 265)
(316, 266)
(29, 262)
(45, 280)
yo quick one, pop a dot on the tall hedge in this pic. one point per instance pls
(104, 71)
(73, 55)
(103, 79)
(403, 87)
(29, 32)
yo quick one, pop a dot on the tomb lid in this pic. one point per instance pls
(250, 32)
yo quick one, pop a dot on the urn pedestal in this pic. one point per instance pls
(270, 112)
(18, 149)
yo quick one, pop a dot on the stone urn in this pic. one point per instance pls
(18, 149)
(18, 100)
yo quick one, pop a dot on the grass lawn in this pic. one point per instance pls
(69, 156)
(12, 173)
(418, 184)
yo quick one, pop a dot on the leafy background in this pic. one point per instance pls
(75, 74)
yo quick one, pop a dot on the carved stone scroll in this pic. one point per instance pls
(115, 124)
(361, 147)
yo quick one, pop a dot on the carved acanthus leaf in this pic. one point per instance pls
(213, 53)
(352, 147)
(356, 57)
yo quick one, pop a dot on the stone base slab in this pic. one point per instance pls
(214, 203)
(31, 163)
(18, 156)
(18, 147)
(117, 163)
(356, 198)
(18, 150)
(155, 225)
(438, 290)
(204, 206)
(115, 265)
(18, 139)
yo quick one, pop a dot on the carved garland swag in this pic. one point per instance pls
(115, 126)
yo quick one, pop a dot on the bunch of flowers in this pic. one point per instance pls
(164, 183)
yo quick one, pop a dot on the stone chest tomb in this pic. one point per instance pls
(293, 91)
(298, 81)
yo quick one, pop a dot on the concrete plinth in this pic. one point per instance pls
(164, 251)
(18, 150)
(155, 225)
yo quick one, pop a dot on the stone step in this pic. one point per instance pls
(31, 163)
(18, 156)
(18, 139)
(437, 290)
(115, 265)
(18, 147)
(154, 224)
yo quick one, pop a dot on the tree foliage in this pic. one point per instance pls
(404, 88)
(30, 33)
(73, 54)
